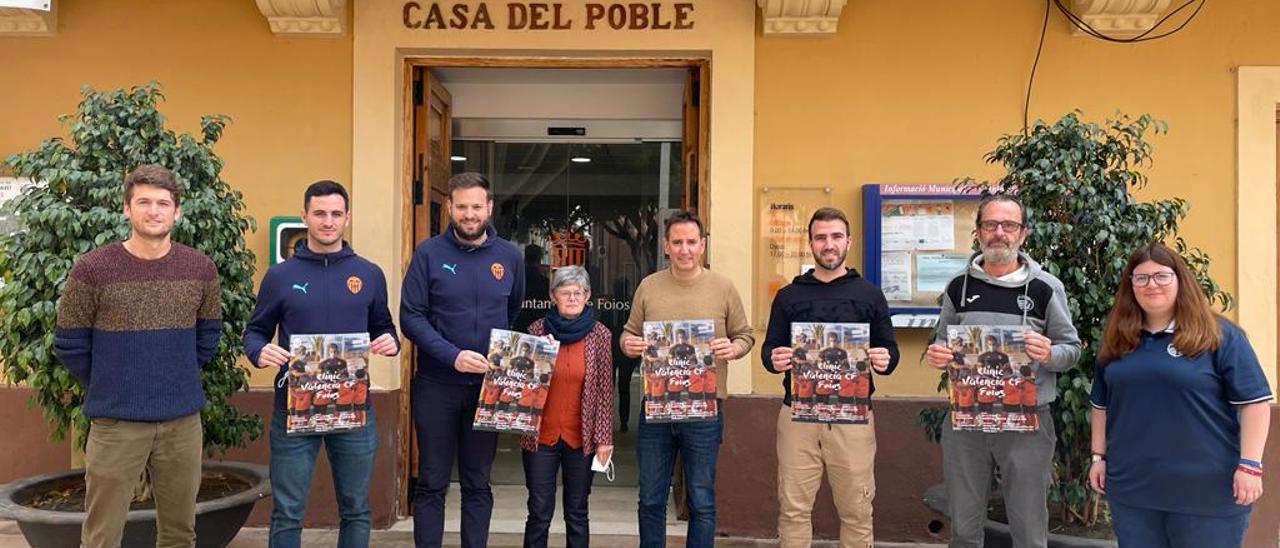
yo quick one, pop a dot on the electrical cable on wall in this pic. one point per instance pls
(1026, 105)
(1088, 29)
(1145, 36)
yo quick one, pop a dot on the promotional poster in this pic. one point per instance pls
(679, 371)
(328, 380)
(515, 390)
(992, 384)
(830, 372)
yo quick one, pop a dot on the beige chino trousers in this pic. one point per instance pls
(847, 452)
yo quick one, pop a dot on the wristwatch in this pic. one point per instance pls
(1099, 457)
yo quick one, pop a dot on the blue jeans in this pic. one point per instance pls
(540, 468)
(656, 446)
(292, 460)
(1144, 528)
(442, 418)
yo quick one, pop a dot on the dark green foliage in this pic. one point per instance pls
(930, 419)
(80, 208)
(1077, 180)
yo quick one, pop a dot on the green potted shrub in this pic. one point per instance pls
(76, 206)
(1077, 181)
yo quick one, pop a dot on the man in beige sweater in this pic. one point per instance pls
(685, 291)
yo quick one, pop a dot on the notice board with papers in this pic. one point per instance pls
(916, 237)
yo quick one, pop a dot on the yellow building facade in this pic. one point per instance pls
(859, 92)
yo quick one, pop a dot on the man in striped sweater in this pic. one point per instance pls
(136, 321)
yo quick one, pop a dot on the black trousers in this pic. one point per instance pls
(540, 469)
(625, 367)
(442, 416)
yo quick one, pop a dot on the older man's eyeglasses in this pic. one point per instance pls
(1008, 226)
(1160, 278)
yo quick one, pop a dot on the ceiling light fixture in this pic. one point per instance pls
(580, 160)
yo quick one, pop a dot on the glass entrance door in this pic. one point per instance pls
(597, 205)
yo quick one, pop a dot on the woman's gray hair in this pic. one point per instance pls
(570, 275)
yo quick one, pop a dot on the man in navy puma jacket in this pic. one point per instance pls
(461, 284)
(325, 288)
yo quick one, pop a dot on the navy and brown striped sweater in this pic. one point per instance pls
(136, 331)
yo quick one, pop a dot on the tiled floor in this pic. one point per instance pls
(613, 512)
(612, 526)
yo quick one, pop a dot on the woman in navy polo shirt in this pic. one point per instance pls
(1179, 412)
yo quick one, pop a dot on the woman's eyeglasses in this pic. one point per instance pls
(1160, 278)
(571, 295)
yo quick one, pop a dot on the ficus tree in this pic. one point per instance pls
(1077, 181)
(77, 205)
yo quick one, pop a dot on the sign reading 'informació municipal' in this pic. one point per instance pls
(548, 16)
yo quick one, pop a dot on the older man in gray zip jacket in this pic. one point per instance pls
(1003, 286)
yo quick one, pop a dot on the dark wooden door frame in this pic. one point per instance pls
(699, 64)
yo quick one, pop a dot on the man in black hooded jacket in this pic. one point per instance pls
(831, 292)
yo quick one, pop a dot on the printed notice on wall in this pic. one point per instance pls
(895, 275)
(10, 188)
(934, 270)
(909, 225)
(783, 240)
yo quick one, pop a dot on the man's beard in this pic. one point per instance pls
(1005, 254)
(832, 264)
(471, 236)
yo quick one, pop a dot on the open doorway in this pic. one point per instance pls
(586, 158)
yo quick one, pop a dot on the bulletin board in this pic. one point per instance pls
(783, 240)
(917, 237)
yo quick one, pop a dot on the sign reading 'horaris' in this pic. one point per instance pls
(548, 16)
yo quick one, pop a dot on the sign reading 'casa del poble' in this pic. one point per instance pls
(548, 16)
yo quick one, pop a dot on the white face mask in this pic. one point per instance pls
(606, 467)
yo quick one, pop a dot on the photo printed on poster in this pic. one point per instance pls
(679, 371)
(328, 383)
(992, 383)
(830, 372)
(515, 389)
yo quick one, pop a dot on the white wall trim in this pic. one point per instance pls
(800, 17)
(305, 17)
(29, 22)
(1258, 96)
